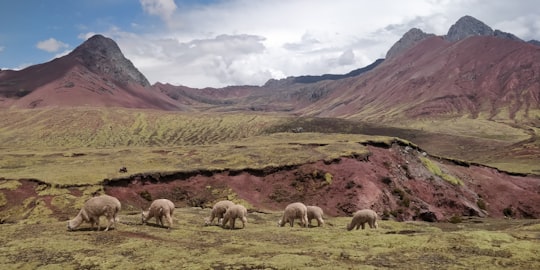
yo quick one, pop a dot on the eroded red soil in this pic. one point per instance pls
(392, 181)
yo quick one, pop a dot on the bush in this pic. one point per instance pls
(407, 171)
(387, 180)
(350, 184)
(398, 192)
(406, 202)
(455, 219)
(508, 212)
(328, 178)
(146, 195)
(481, 204)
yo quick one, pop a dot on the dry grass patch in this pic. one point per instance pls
(92, 165)
(263, 245)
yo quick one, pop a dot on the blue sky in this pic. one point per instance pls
(231, 42)
(28, 22)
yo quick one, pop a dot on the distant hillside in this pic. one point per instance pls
(484, 77)
(333, 77)
(473, 71)
(94, 74)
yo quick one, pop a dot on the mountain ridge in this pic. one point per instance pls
(96, 73)
(424, 75)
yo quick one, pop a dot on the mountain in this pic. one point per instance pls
(534, 42)
(102, 55)
(467, 26)
(409, 40)
(94, 74)
(481, 76)
(471, 71)
(333, 77)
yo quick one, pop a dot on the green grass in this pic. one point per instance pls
(32, 138)
(93, 165)
(84, 146)
(115, 127)
(263, 245)
(436, 170)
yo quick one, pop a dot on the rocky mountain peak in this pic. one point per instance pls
(534, 42)
(505, 35)
(468, 26)
(409, 39)
(103, 56)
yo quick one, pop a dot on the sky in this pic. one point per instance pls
(216, 43)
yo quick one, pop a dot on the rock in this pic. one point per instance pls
(409, 40)
(505, 35)
(103, 56)
(468, 26)
(428, 216)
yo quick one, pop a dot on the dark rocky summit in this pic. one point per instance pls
(409, 40)
(534, 42)
(468, 26)
(103, 56)
(505, 35)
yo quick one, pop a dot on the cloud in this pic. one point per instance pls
(2, 48)
(51, 45)
(219, 43)
(217, 61)
(62, 53)
(244, 42)
(346, 58)
(85, 36)
(161, 8)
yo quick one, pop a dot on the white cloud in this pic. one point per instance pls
(346, 58)
(85, 36)
(51, 45)
(249, 42)
(62, 53)
(2, 48)
(161, 8)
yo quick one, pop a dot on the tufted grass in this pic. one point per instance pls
(83, 146)
(55, 144)
(436, 170)
(486, 244)
(93, 165)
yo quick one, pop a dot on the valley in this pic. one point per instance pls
(441, 139)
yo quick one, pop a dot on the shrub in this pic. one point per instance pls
(328, 178)
(508, 212)
(398, 192)
(386, 215)
(406, 202)
(481, 204)
(386, 179)
(455, 219)
(146, 195)
(407, 171)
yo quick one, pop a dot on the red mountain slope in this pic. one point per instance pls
(94, 74)
(484, 77)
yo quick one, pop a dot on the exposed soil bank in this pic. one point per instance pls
(392, 180)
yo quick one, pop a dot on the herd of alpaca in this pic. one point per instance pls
(224, 212)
